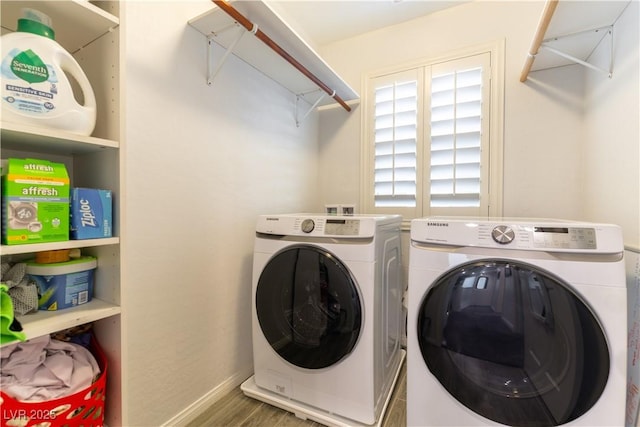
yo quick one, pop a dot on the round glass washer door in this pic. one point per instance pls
(308, 307)
(513, 343)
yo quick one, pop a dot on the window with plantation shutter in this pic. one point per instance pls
(395, 140)
(432, 139)
(456, 138)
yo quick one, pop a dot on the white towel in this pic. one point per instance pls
(44, 369)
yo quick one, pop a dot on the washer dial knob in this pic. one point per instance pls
(308, 225)
(503, 234)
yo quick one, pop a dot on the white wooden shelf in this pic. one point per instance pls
(42, 322)
(219, 27)
(52, 246)
(29, 138)
(76, 23)
(90, 30)
(570, 31)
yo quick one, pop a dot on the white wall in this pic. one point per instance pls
(542, 129)
(570, 135)
(201, 163)
(612, 132)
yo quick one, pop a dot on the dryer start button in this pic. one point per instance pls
(503, 234)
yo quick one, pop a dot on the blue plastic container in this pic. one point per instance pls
(64, 284)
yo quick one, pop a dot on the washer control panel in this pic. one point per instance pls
(338, 227)
(326, 226)
(329, 227)
(342, 227)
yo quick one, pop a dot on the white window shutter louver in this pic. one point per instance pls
(456, 138)
(395, 145)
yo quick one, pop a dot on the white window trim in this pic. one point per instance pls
(496, 130)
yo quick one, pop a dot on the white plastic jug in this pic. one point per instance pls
(35, 89)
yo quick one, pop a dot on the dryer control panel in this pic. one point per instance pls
(564, 237)
(546, 235)
(541, 237)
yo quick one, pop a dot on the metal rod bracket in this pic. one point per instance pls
(315, 104)
(212, 71)
(609, 72)
(250, 26)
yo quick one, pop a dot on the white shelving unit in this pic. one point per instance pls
(91, 32)
(569, 31)
(220, 28)
(52, 246)
(46, 322)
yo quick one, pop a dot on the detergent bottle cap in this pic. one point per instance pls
(35, 22)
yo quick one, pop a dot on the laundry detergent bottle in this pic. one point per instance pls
(35, 89)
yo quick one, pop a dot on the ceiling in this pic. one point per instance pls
(326, 21)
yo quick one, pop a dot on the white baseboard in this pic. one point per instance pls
(198, 407)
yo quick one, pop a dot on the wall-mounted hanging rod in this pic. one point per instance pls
(545, 19)
(243, 21)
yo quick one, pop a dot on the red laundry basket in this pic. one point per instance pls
(84, 408)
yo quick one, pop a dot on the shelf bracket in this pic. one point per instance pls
(609, 72)
(212, 71)
(247, 24)
(315, 104)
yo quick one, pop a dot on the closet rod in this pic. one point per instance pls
(242, 20)
(543, 25)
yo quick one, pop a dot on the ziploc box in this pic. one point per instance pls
(63, 284)
(35, 202)
(90, 213)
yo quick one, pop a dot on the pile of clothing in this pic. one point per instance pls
(23, 291)
(18, 295)
(44, 368)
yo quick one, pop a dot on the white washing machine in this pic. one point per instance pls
(516, 322)
(327, 304)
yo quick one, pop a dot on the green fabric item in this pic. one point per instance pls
(10, 328)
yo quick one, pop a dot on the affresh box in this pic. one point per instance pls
(35, 202)
(63, 284)
(90, 213)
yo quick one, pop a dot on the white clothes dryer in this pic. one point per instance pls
(327, 306)
(516, 322)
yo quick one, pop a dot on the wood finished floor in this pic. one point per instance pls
(236, 409)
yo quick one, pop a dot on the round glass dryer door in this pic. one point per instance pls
(308, 307)
(513, 343)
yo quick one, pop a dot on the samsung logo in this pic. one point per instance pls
(273, 219)
(437, 224)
